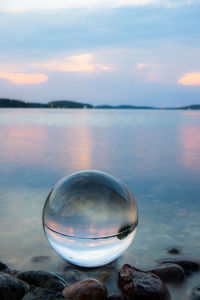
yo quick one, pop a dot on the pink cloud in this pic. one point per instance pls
(76, 63)
(23, 78)
(190, 79)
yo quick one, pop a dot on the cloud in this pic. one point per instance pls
(23, 78)
(142, 66)
(190, 79)
(24, 5)
(75, 63)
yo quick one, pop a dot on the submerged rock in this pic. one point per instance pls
(73, 275)
(136, 284)
(42, 294)
(172, 273)
(4, 268)
(115, 297)
(195, 294)
(187, 264)
(40, 258)
(43, 279)
(174, 250)
(12, 288)
(89, 289)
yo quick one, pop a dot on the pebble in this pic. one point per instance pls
(40, 258)
(195, 293)
(104, 275)
(12, 288)
(4, 268)
(43, 279)
(171, 273)
(42, 294)
(189, 265)
(73, 275)
(89, 289)
(174, 250)
(140, 285)
(115, 297)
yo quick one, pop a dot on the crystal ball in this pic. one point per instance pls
(90, 218)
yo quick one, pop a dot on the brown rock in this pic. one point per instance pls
(89, 289)
(172, 273)
(187, 264)
(140, 285)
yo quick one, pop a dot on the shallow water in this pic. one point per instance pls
(156, 153)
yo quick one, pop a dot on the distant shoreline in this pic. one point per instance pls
(13, 103)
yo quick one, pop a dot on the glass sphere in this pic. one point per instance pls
(90, 218)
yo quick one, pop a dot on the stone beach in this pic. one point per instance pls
(93, 284)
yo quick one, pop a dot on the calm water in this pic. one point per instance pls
(156, 153)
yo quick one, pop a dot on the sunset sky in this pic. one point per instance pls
(140, 52)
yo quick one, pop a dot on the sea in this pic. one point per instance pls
(156, 153)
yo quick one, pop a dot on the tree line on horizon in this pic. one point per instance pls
(13, 103)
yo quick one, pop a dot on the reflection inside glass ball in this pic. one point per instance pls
(90, 218)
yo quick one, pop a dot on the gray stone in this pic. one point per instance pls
(43, 279)
(195, 293)
(12, 288)
(43, 294)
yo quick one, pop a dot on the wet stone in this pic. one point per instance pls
(89, 289)
(195, 294)
(189, 265)
(43, 294)
(115, 297)
(174, 250)
(171, 273)
(4, 268)
(12, 288)
(40, 258)
(73, 275)
(140, 285)
(104, 276)
(43, 279)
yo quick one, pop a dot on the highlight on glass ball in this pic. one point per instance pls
(90, 218)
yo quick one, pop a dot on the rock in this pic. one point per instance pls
(40, 258)
(104, 276)
(73, 275)
(187, 264)
(195, 294)
(169, 273)
(89, 289)
(12, 288)
(43, 279)
(174, 250)
(4, 268)
(140, 285)
(42, 294)
(115, 297)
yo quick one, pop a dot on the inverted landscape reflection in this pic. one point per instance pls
(156, 153)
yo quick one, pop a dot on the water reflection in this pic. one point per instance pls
(190, 146)
(23, 145)
(61, 148)
(74, 146)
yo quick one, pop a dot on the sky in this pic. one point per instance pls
(139, 52)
